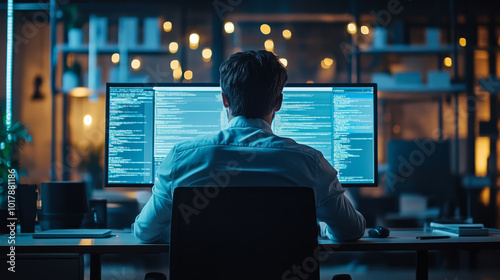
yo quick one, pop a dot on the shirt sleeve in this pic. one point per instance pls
(336, 214)
(153, 223)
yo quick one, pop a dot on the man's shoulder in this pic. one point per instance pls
(198, 141)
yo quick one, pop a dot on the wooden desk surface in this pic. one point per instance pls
(125, 242)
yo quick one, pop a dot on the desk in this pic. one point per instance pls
(405, 240)
(119, 243)
(124, 242)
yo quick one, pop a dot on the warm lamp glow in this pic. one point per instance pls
(269, 45)
(287, 34)
(87, 120)
(80, 92)
(284, 61)
(364, 30)
(265, 29)
(206, 54)
(484, 196)
(462, 42)
(326, 63)
(229, 27)
(188, 75)
(482, 153)
(351, 28)
(174, 64)
(115, 58)
(173, 47)
(447, 61)
(135, 64)
(310, 82)
(167, 26)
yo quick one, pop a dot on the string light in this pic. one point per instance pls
(173, 47)
(174, 64)
(177, 73)
(284, 61)
(447, 61)
(462, 42)
(188, 75)
(194, 40)
(229, 27)
(365, 30)
(206, 54)
(167, 26)
(115, 58)
(269, 45)
(265, 29)
(136, 64)
(287, 34)
(326, 63)
(351, 28)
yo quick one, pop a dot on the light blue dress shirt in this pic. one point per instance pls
(247, 153)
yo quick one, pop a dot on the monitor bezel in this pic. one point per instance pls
(126, 186)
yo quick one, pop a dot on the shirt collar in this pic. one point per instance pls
(240, 121)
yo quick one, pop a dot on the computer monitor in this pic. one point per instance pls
(144, 122)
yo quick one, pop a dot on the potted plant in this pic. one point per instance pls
(12, 139)
(74, 26)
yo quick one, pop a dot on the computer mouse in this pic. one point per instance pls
(379, 232)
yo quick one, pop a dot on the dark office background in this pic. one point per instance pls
(436, 65)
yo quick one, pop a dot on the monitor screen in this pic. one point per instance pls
(144, 122)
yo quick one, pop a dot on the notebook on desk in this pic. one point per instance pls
(73, 233)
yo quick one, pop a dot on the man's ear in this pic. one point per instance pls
(224, 100)
(279, 101)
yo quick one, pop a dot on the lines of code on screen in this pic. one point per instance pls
(130, 123)
(145, 122)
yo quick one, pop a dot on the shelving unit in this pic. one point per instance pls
(92, 52)
(397, 93)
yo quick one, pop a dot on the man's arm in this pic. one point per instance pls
(153, 223)
(342, 221)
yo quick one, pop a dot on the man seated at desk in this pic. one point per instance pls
(249, 154)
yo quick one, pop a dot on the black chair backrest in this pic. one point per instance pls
(243, 233)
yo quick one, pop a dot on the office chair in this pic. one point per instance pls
(243, 233)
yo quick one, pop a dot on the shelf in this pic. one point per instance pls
(422, 88)
(84, 49)
(418, 92)
(409, 49)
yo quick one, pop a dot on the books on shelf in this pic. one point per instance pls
(460, 229)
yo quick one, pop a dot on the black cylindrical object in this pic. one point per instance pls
(27, 196)
(64, 205)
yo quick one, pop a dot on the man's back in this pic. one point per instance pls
(245, 154)
(249, 154)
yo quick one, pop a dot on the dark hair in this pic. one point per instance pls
(252, 82)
